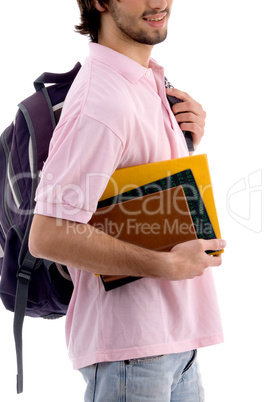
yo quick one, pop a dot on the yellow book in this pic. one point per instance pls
(133, 177)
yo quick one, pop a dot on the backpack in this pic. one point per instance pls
(29, 286)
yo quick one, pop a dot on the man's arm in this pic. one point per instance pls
(83, 247)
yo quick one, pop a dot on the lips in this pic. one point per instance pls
(156, 21)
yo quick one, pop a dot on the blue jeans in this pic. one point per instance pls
(166, 378)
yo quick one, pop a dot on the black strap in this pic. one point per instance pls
(188, 136)
(23, 281)
(52, 78)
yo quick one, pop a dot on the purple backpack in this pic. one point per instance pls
(29, 286)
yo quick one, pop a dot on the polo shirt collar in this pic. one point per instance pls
(128, 68)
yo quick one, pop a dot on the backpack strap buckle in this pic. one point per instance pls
(24, 275)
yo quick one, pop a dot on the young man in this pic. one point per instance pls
(137, 342)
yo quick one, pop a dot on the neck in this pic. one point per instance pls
(140, 54)
(119, 42)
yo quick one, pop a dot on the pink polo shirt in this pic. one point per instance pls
(116, 115)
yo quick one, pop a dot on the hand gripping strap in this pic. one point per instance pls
(172, 100)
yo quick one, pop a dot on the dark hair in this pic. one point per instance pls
(90, 18)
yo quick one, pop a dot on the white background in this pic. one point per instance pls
(216, 52)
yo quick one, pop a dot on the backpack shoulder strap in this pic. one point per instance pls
(54, 78)
(38, 113)
(23, 281)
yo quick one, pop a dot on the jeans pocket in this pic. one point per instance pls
(190, 362)
(144, 360)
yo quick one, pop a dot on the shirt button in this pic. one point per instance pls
(148, 73)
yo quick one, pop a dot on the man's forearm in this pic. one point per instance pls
(83, 247)
(86, 248)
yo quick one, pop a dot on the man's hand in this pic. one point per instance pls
(189, 114)
(188, 260)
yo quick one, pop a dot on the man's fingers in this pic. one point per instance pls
(186, 107)
(190, 117)
(178, 94)
(191, 109)
(216, 260)
(214, 244)
(188, 104)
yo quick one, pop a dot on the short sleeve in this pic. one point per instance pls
(83, 155)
